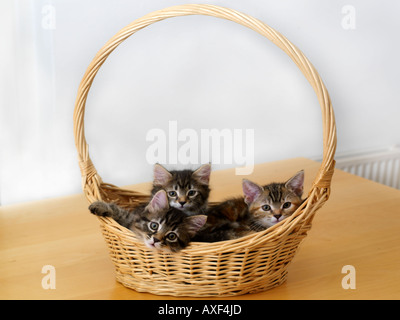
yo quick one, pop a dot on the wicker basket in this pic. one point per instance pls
(247, 265)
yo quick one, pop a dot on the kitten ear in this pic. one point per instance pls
(161, 175)
(251, 191)
(202, 174)
(159, 202)
(194, 223)
(296, 182)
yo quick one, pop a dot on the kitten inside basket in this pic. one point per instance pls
(179, 213)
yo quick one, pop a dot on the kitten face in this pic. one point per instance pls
(274, 202)
(187, 190)
(166, 229)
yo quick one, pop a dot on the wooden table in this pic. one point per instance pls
(358, 226)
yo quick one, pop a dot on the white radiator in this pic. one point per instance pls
(382, 166)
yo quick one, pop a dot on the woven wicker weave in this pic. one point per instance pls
(250, 264)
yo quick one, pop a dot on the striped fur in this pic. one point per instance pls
(159, 226)
(260, 208)
(187, 190)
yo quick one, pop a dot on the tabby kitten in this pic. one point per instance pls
(159, 226)
(187, 190)
(261, 208)
(274, 202)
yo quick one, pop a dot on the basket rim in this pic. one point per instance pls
(245, 243)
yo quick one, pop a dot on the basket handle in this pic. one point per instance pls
(91, 181)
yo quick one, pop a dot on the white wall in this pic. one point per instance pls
(200, 71)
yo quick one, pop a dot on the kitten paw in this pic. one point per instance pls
(100, 208)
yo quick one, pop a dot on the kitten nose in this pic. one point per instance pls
(156, 240)
(182, 203)
(277, 216)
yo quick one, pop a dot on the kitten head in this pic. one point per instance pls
(274, 202)
(164, 228)
(187, 190)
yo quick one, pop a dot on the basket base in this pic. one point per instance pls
(199, 290)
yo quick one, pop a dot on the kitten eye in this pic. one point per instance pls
(266, 207)
(286, 205)
(191, 193)
(153, 226)
(171, 236)
(172, 193)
